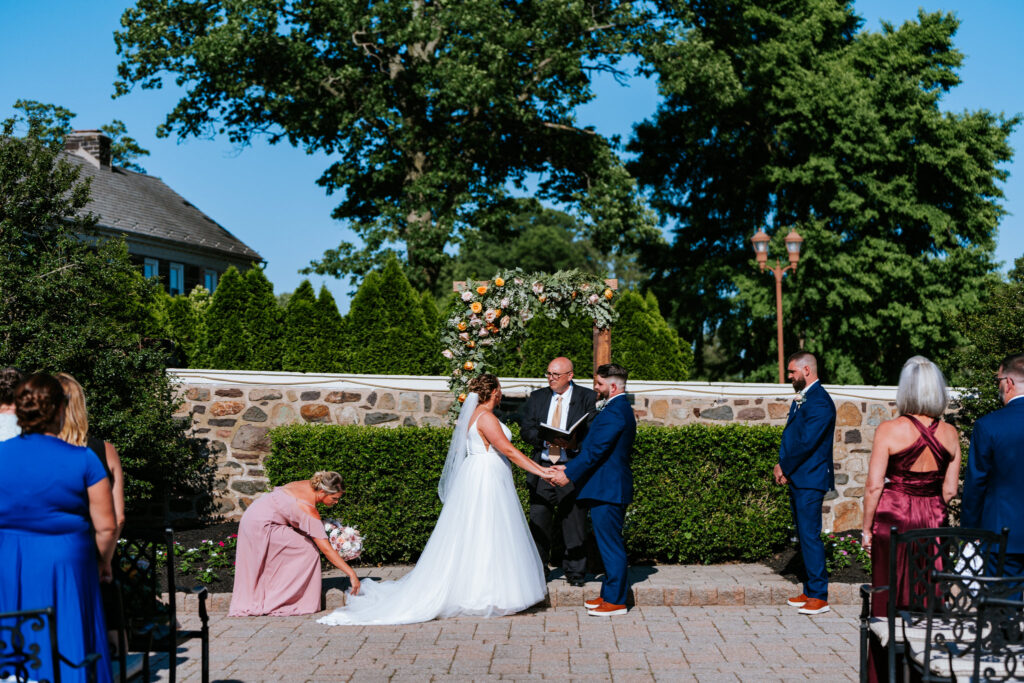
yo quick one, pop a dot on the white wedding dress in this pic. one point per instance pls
(480, 559)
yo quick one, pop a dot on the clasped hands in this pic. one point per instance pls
(555, 475)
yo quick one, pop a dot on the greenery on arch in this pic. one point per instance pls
(489, 318)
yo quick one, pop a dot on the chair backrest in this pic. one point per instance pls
(999, 655)
(29, 651)
(965, 552)
(140, 554)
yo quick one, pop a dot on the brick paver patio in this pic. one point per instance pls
(710, 643)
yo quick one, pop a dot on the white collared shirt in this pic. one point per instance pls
(807, 388)
(564, 418)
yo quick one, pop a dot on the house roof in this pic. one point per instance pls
(139, 204)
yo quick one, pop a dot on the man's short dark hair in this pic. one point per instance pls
(613, 371)
(9, 379)
(1014, 366)
(804, 358)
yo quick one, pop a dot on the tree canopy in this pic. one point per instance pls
(430, 111)
(782, 114)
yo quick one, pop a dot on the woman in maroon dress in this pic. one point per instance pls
(913, 474)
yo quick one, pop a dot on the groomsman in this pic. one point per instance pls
(601, 473)
(805, 464)
(561, 403)
(995, 466)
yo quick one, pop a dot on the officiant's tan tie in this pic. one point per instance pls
(555, 452)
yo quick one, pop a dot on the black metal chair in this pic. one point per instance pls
(20, 655)
(952, 642)
(148, 624)
(1000, 652)
(925, 551)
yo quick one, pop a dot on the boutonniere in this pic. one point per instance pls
(800, 398)
(601, 404)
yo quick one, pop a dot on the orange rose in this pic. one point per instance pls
(608, 294)
(499, 282)
(462, 398)
(542, 298)
(462, 326)
(468, 365)
(471, 344)
(482, 289)
(497, 313)
(476, 307)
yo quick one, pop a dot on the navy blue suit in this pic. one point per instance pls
(994, 487)
(805, 457)
(604, 481)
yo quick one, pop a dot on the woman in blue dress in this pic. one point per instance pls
(56, 530)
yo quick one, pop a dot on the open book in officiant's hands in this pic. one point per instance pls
(564, 438)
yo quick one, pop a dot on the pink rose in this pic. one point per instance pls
(505, 322)
(483, 332)
(464, 336)
(593, 298)
(447, 354)
(537, 288)
(467, 296)
(489, 315)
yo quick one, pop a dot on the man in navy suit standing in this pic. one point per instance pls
(805, 464)
(995, 467)
(602, 476)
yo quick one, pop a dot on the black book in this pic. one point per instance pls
(567, 438)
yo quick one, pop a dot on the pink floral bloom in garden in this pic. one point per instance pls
(538, 287)
(447, 353)
(483, 332)
(505, 322)
(464, 336)
(489, 315)
(466, 296)
(593, 298)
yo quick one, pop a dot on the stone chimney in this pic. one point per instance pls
(92, 145)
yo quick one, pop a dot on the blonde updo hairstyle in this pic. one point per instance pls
(328, 482)
(76, 417)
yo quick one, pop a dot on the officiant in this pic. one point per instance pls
(554, 509)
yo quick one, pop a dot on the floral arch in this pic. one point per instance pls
(495, 314)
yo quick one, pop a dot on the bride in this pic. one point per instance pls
(480, 559)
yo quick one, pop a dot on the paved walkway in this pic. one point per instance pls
(719, 623)
(649, 644)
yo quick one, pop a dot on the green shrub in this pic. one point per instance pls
(263, 319)
(228, 342)
(299, 341)
(329, 331)
(703, 493)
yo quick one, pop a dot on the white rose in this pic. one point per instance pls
(467, 296)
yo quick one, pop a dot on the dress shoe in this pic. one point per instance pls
(576, 581)
(814, 606)
(798, 601)
(593, 602)
(607, 609)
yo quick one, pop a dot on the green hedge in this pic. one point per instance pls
(703, 493)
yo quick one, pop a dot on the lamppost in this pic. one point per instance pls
(793, 241)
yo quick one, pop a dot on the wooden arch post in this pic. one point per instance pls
(602, 338)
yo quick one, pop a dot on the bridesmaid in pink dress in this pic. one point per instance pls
(913, 474)
(280, 538)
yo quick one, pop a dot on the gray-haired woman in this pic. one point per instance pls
(913, 474)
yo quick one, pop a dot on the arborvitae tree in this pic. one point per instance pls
(329, 330)
(432, 320)
(228, 341)
(300, 338)
(643, 343)
(549, 338)
(386, 333)
(679, 365)
(263, 318)
(183, 322)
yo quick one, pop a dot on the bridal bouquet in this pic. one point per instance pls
(345, 539)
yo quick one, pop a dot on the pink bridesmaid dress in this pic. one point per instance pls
(910, 500)
(277, 564)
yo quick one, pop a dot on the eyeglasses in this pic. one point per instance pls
(556, 375)
(1000, 379)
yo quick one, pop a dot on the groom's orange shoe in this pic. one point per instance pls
(607, 609)
(593, 603)
(798, 601)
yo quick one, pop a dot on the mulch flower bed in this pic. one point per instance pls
(847, 561)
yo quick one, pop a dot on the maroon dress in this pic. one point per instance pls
(909, 500)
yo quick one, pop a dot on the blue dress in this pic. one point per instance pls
(48, 551)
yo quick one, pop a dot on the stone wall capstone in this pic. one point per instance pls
(235, 411)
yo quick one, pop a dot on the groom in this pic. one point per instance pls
(805, 465)
(602, 477)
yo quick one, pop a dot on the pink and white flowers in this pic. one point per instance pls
(345, 539)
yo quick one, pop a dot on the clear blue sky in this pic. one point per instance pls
(62, 52)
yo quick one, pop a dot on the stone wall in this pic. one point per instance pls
(236, 410)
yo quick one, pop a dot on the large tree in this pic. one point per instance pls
(78, 306)
(429, 110)
(781, 113)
